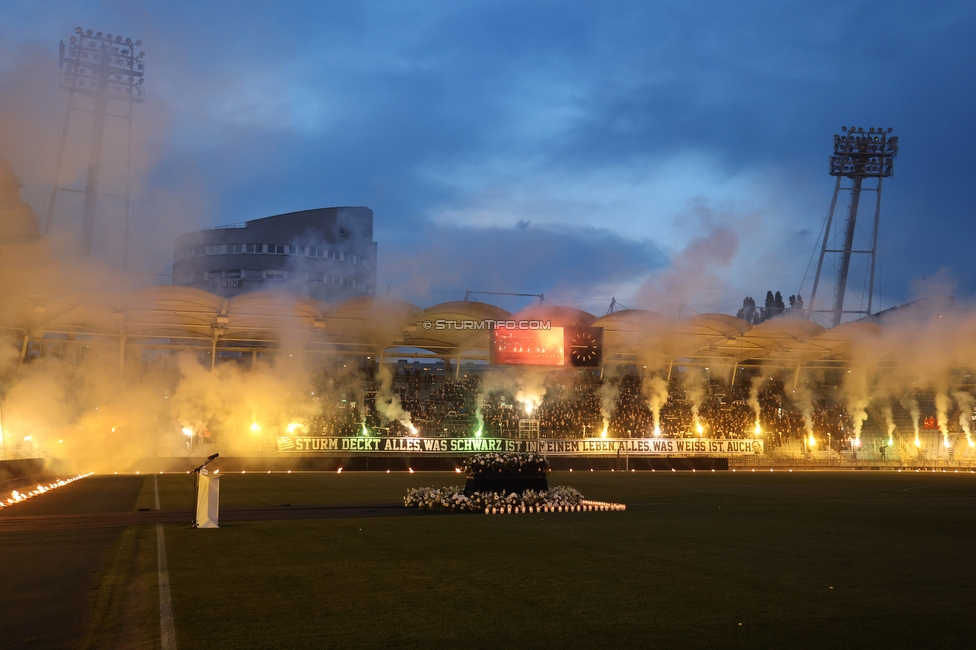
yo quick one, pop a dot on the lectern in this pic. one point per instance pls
(206, 496)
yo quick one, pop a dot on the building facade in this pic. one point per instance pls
(326, 253)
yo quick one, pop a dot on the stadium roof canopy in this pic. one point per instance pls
(183, 317)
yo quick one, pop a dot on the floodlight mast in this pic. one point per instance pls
(104, 68)
(859, 154)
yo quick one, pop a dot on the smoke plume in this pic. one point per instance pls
(658, 389)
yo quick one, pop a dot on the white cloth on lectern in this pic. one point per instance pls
(208, 498)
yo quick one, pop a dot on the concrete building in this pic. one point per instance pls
(326, 253)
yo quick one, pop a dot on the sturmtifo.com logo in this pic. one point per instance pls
(487, 324)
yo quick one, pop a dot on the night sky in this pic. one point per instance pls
(666, 154)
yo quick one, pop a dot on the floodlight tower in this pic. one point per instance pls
(104, 68)
(858, 156)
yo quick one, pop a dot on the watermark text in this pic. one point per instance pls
(488, 324)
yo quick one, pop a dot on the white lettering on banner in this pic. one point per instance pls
(577, 447)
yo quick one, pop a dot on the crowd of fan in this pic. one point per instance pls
(443, 406)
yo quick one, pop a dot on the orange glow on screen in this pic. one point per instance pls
(528, 347)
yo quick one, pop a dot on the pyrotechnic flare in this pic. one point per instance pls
(889, 423)
(530, 393)
(910, 403)
(857, 391)
(479, 404)
(388, 403)
(753, 401)
(608, 400)
(966, 401)
(942, 405)
(693, 384)
(659, 397)
(803, 399)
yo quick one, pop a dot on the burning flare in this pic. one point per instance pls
(659, 397)
(965, 401)
(942, 405)
(18, 497)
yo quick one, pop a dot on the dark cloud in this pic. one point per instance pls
(440, 262)
(594, 123)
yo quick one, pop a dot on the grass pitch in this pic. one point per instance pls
(698, 559)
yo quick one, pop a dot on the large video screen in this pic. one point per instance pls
(528, 347)
(580, 347)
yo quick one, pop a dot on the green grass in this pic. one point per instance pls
(801, 559)
(124, 609)
(266, 490)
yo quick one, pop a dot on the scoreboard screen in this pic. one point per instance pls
(528, 347)
(580, 347)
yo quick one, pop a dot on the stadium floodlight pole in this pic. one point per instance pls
(858, 155)
(105, 68)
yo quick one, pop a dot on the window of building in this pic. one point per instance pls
(214, 250)
(235, 248)
(277, 249)
(276, 275)
(351, 259)
(342, 231)
(255, 248)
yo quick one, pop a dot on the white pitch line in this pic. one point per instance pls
(167, 631)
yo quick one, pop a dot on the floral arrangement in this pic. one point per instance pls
(453, 498)
(506, 464)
